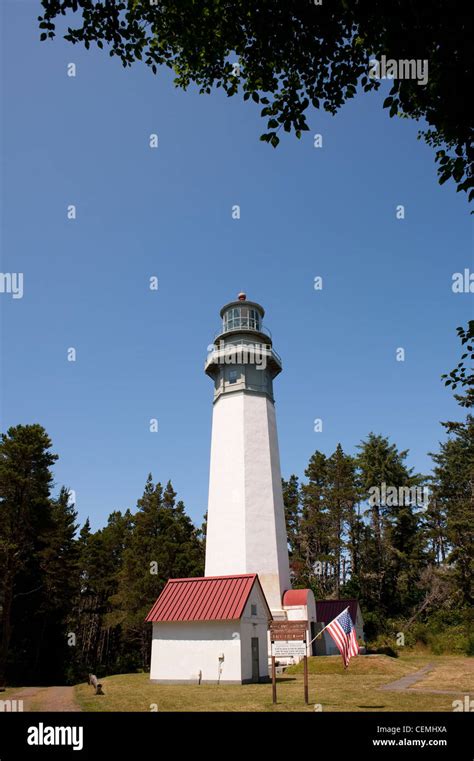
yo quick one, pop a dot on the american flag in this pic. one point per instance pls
(342, 630)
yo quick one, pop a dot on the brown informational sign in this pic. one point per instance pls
(288, 635)
(288, 630)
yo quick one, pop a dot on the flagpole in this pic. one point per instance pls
(322, 630)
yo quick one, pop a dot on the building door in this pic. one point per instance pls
(255, 661)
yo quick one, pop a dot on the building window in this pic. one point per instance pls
(233, 375)
(253, 610)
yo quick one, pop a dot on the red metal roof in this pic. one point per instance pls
(326, 610)
(207, 598)
(295, 597)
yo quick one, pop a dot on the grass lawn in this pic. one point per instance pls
(357, 689)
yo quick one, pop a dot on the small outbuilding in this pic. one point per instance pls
(210, 629)
(300, 605)
(326, 611)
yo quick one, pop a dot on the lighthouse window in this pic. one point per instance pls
(241, 317)
(254, 319)
(232, 376)
(231, 319)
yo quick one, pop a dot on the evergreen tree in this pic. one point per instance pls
(84, 534)
(407, 560)
(434, 528)
(382, 468)
(164, 544)
(314, 542)
(202, 532)
(25, 519)
(101, 559)
(453, 495)
(61, 580)
(340, 496)
(292, 504)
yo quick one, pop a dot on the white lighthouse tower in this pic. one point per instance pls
(246, 530)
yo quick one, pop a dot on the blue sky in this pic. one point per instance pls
(305, 212)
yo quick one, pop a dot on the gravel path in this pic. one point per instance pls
(47, 699)
(403, 684)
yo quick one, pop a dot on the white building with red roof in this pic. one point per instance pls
(210, 629)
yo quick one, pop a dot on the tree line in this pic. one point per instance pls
(358, 528)
(74, 601)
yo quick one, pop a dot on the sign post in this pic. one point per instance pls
(306, 698)
(288, 638)
(274, 681)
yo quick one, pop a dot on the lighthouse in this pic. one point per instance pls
(246, 531)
